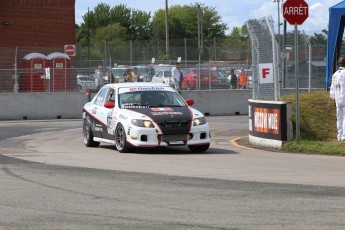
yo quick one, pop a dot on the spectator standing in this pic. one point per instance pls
(337, 92)
(135, 74)
(99, 82)
(233, 79)
(128, 77)
(110, 77)
(176, 76)
(242, 79)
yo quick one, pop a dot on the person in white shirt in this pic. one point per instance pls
(99, 82)
(337, 92)
(176, 76)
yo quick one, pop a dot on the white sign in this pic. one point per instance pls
(265, 73)
(153, 60)
(47, 73)
(179, 60)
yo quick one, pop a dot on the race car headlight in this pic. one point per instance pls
(199, 121)
(142, 123)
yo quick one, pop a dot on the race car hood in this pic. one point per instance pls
(171, 120)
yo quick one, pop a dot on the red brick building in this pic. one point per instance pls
(32, 26)
(37, 23)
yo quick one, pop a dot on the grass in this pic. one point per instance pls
(318, 131)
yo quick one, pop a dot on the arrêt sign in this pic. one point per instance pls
(295, 12)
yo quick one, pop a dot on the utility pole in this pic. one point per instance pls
(166, 29)
(88, 36)
(199, 45)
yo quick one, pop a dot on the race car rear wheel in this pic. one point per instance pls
(120, 139)
(198, 148)
(88, 135)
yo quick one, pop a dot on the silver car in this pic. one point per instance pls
(84, 81)
(163, 76)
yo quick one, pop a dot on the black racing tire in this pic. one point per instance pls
(198, 148)
(88, 135)
(121, 139)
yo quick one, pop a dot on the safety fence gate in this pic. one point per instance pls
(265, 49)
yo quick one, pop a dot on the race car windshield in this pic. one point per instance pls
(144, 99)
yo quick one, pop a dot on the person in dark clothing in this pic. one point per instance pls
(233, 79)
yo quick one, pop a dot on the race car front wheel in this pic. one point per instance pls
(88, 135)
(198, 148)
(120, 139)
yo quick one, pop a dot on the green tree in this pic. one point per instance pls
(110, 33)
(93, 20)
(238, 37)
(135, 23)
(319, 39)
(183, 23)
(121, 14)
(139, 28)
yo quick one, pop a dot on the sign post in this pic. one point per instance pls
(295, 13)
(47, 71)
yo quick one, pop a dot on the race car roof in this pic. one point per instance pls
(141, 86)
(138, 84)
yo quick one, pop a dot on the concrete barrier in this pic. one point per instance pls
(33, 106)
(220, 102)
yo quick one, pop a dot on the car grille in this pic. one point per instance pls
(173, 124)
(178, 137)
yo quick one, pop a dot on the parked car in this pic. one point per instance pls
(191, 79)
(84, 81)
(163, 76)
(143, 114)
(160, 67)
(223, 81)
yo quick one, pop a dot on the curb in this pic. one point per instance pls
(234, 143)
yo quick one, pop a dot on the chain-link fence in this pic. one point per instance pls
(265, 49)
(23, 69)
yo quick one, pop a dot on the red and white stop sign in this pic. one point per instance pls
(70, 50)
(295, 12)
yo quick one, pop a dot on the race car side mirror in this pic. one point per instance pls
(109, 104)
(190, 102)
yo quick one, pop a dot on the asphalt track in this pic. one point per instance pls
(225, 159)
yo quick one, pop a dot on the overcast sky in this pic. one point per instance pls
(233, 12)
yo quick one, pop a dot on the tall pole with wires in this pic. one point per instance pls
(200, 40)
(166, 29)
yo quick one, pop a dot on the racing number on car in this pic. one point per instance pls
(111, 123)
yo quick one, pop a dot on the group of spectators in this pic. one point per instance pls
(238, 82)
(134, 76)
(130, 76)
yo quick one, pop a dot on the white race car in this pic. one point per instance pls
(143, 114)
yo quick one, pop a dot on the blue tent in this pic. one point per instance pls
(335, 34)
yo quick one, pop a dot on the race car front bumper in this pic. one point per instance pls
(152, 137)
